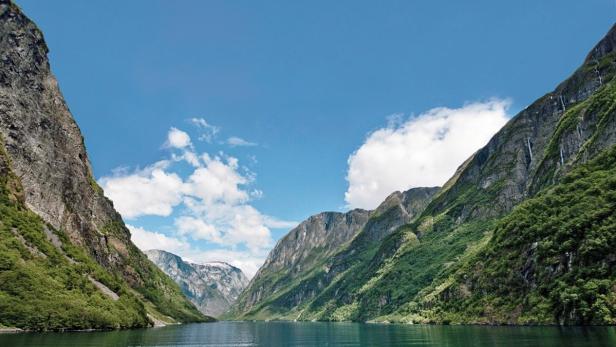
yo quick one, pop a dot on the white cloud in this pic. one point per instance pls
(177, 138)
(150, 191)
(198, 229)
(421, 152)
(275, 223)
(207, 205)
(256, 194)
(147, 240)
(218, 181)
(237, 223)
(218, 206)
(189, 156)
(235, 141)
(208, 131)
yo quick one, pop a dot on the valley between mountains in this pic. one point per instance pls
(523, 233)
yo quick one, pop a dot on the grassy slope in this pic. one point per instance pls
(164, 299)
(550, 261)
(44, 287)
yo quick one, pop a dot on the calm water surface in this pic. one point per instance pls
(321, 334)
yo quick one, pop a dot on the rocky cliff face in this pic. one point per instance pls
(559, 132)
(551, 259)
(212, 287)
(311, 245)
(399, 268)
(300, 250)
(45, 145)
(47, 154)
(540, 144)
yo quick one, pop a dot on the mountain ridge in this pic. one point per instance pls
(212, 287)
(283, 265)
(392, 279)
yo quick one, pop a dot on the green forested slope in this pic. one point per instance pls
(47, 283)
(552, 260)
(46, 287)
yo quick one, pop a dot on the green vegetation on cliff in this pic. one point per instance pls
(552, 260)
(522, 234)
(45, 286)
(47, 283)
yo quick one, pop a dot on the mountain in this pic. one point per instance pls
(66, 259)
(550, 261)
(523, 233)
(212, 287)
(279, 286)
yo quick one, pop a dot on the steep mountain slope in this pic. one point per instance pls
(552, 260)
(58, 228)
(559, 132)
(279, 287)
(398, 277)
(212, 287)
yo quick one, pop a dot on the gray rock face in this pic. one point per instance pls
(318, 239)
(313, 240)
(47, 154)
(399, 208)
(539, 144)
(212, 287)
(44, 143)
(324, 232)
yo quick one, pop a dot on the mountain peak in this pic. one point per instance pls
(212, 287)
(606, 46)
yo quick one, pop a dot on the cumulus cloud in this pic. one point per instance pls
(198, 229)
(208, 131)
(218, 181)
(422, 151)
(209, 204)
(147, 240)
(235, 141)
(150, 191)
(177, 138)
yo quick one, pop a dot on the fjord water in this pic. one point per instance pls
(322, 334)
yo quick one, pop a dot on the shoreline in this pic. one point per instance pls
(371, 322)
(11, 330)
(6, 330)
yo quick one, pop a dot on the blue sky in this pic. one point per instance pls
(319, 88)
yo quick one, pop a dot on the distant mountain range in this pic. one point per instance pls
(212, 287)
(523, 233)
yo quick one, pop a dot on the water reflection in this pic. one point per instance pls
(322, 334)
